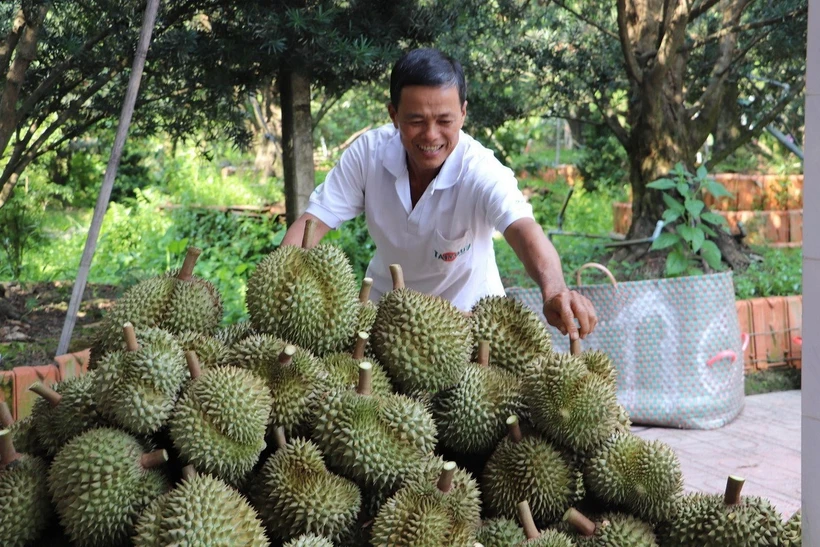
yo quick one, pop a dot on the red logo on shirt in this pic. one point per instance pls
(451, 256)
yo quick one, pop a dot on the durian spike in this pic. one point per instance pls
(364, 293)
(734, 485)
(46, 393)
(484, 353)
(279, 437)
(130, 337)
(584, 526)
(361, 344)
(365, 386)
(514, 429)
(188, 472)
(187, 270)
(398, 276)
(193, 364)
(477, 544)
(445, 480)
(154, 458)
(7, 452)
(575, 347)
(307, 237)
(286, 356)
(525, 518)
(6, 419)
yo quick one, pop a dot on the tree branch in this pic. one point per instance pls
(325, 108)
(632, 68)
(612, 122)
(586, 20)
(702, 8)
(674, 35)
(744, 27)
(11, 41)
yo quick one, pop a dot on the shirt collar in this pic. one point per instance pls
(395, 161)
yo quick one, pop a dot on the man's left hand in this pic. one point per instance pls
(562, 309)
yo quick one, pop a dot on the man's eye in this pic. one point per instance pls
(446, 122)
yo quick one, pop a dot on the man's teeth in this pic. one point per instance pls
(430, 148)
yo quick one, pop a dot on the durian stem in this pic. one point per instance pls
(193, 364)
(525, 518)
(364, 293)
(130, 337)
(398, 276)
(286, 356)
(361, 344)
(733, 487)
(188, 472)
(365, 386)
(188, 265)
(514, 429)
(279, 437)
(484, 353)
(307, 237)
(7, 452)
(6, 419)
(575, 347)
(153, 459)
(584, 526)
(445, 480)
(46, 393)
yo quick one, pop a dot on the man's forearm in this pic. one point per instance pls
(538, 255)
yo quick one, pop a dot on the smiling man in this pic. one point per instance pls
(433, 197)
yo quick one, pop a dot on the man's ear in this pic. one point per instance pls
(392, 111)
(464, 109)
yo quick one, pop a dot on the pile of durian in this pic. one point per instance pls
(326, 420)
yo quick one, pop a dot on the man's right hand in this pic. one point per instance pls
(296, 231)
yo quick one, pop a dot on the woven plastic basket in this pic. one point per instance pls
(675, 343)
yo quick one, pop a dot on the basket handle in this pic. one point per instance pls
(597, 267)
(729, 353)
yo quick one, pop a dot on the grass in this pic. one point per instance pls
(774, 379)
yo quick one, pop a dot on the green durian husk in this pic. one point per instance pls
(195, 305)
(25, 438)
(793, 531)
(210, 351)
(75, 413)
(471, 416)
(643, 477)
(305, 296)
(500, 532)
(598, 362)
(201, 510)
(421, 515)
(137, 390)
(532, 469)
(25, 504)
(219, 422)
(424, 342)
(296, 388)
(99, 487)
(516, 334)
(707, 521)
(374, 440)
(309, 540)
(620, 530)
(343, 371)
(296, 494)
(229, 335)
(572, 406)
(548, 538)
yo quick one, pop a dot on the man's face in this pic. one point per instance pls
(428, 120)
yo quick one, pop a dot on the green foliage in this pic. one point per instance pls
(779, 273)
(603, 162)
(354, 239)
(693, 226)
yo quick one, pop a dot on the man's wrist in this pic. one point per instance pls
(551, 291)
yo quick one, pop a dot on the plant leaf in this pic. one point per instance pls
(711, 254)
(698, 238)
(707, 230)
(687, 233)
(676, 263)
(701, 172)
(673, 204)
(717, 189)
(670, 216)
(713, 218)
(661, 184)
(694, 206)
(666, 239)
(683, 189)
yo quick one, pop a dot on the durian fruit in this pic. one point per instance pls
(729, 520)
(219, 423)
(25, 506)
(367, 308)
(423, 341)
(536, 538)
(439, 507)
(234, 333)
(471, 416)
(642, 477)
(210, 350)
(529, 467)
(100, 482)
(296, 494)
(516, 334)
(176, 302)
(64, 411)
(571, 405)
(343, 369)
(22, 431)
(297, 380)
(309, 540)
(305, 295)
(201, 510)
(613, 530)
(375, 440)
(500, 532)
(137, 388)
(793, 531)
(598, 362)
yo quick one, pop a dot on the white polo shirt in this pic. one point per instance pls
(444, 244)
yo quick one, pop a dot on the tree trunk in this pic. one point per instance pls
(267, 131)
(297, 141)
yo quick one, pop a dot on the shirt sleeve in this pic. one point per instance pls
(341, 196)
(503, 201)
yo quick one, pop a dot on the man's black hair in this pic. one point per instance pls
(427, 67)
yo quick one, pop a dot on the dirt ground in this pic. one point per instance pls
(32, 317)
